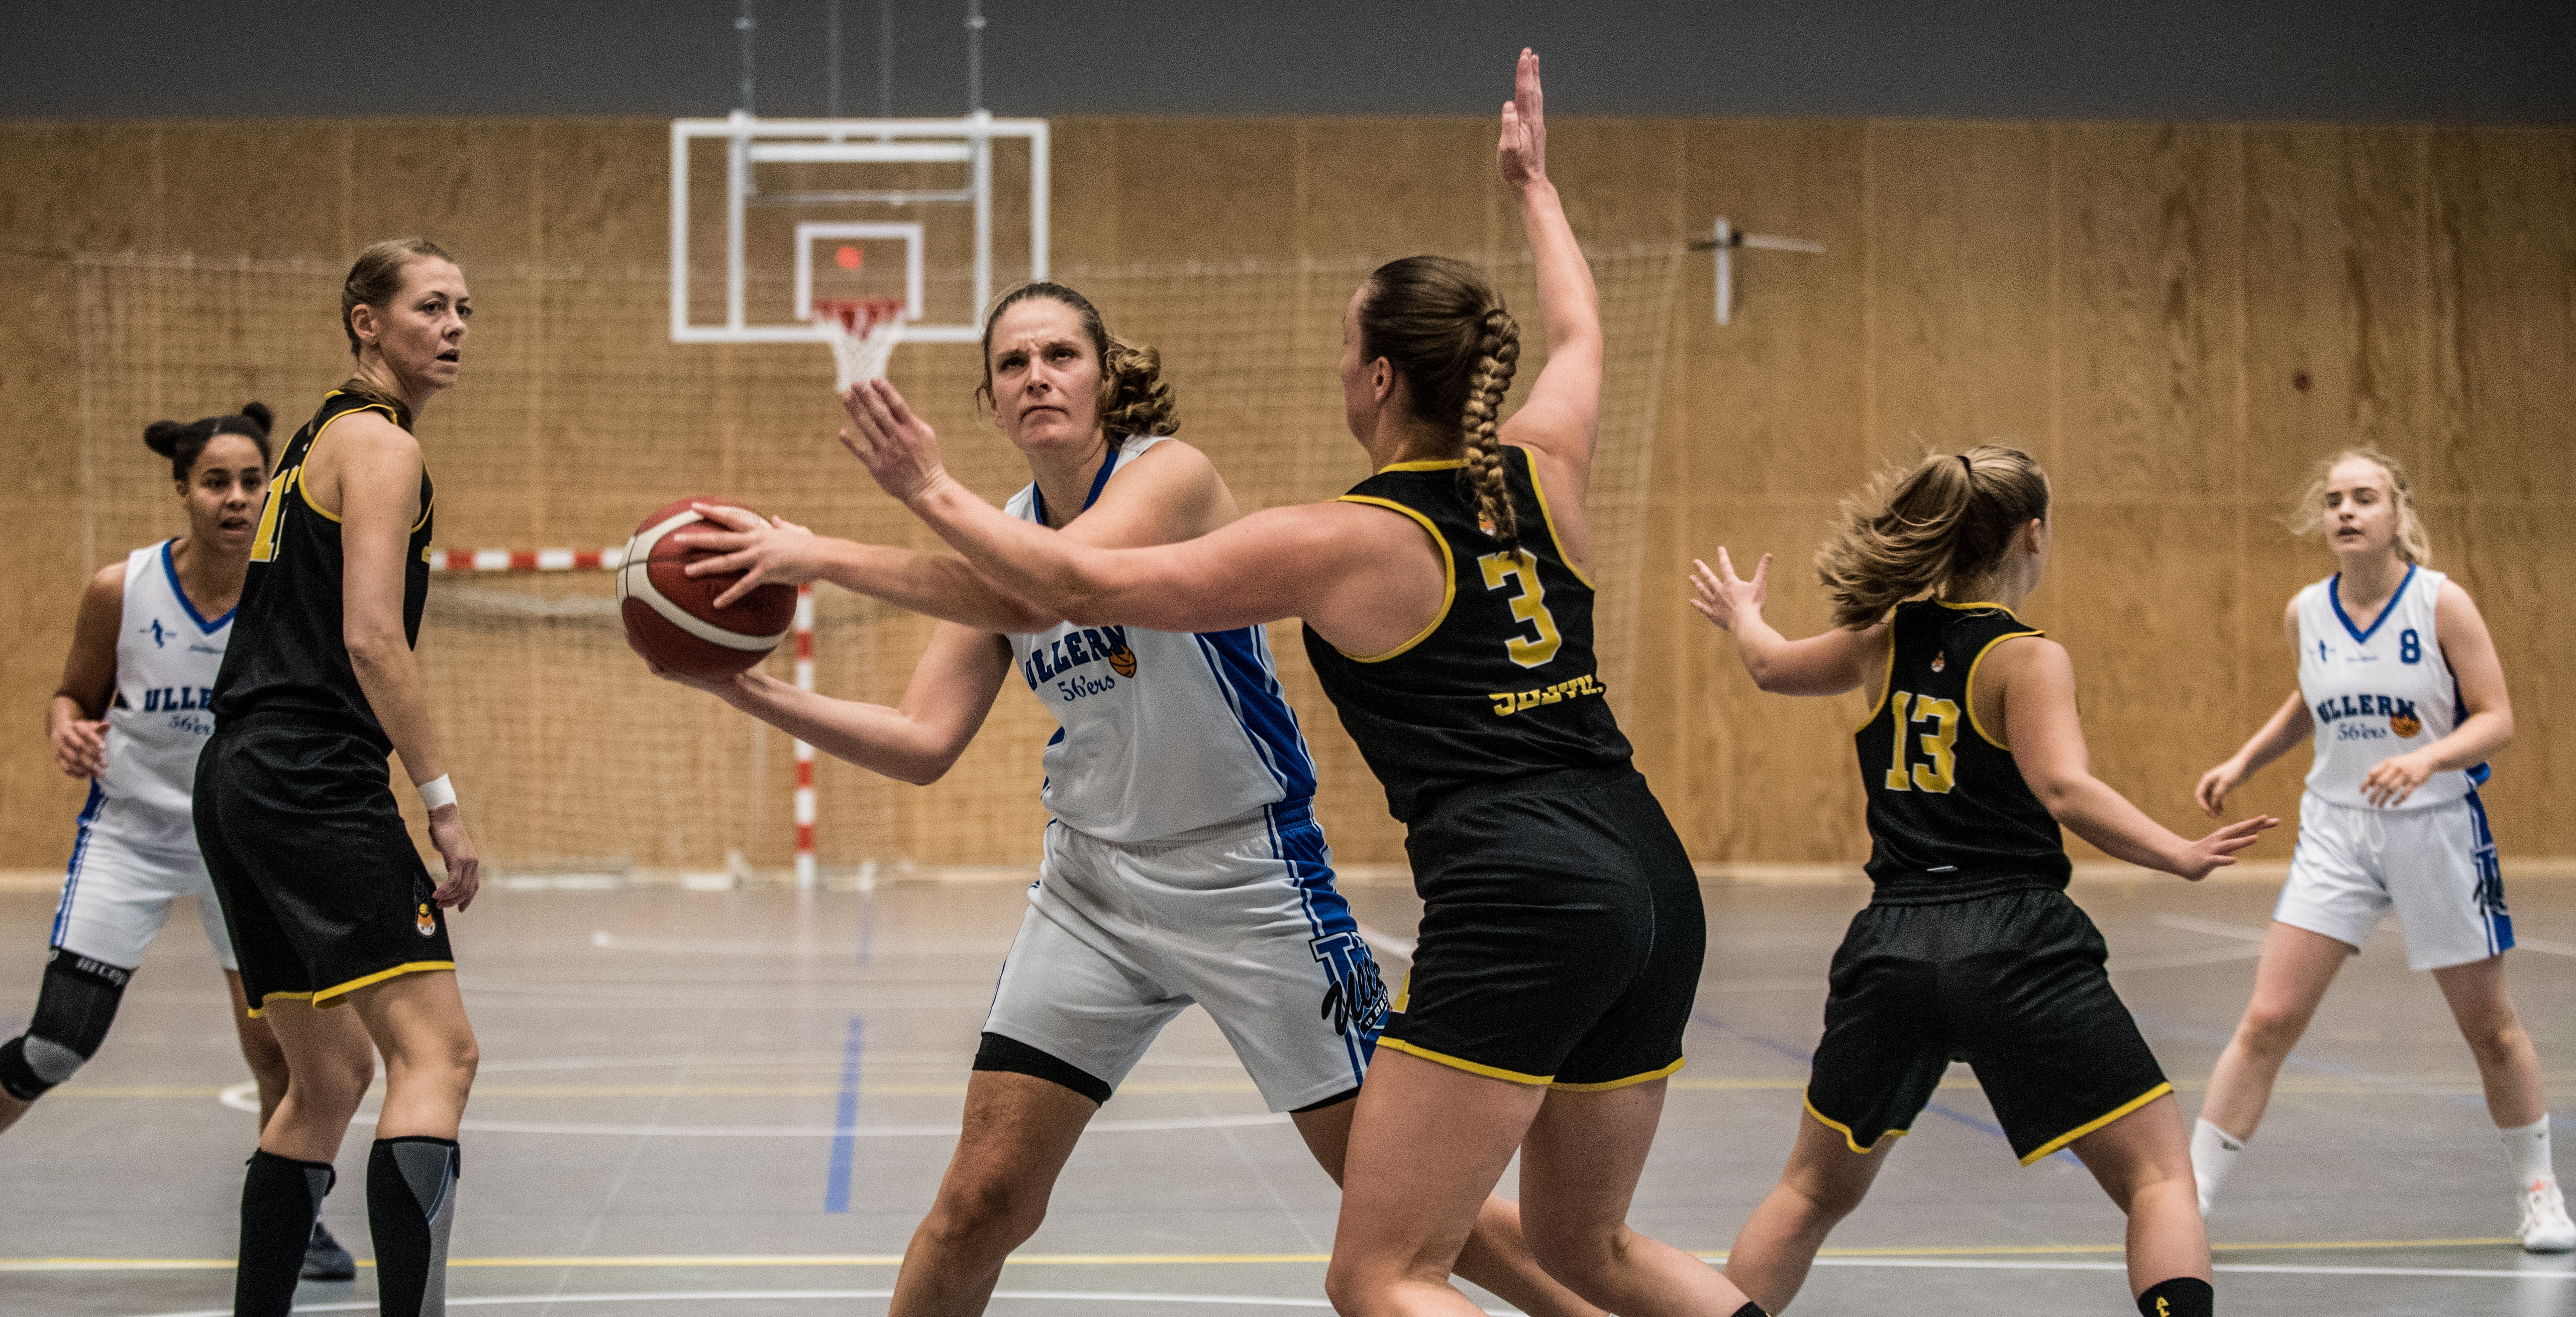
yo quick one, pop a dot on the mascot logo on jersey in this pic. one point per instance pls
(425, 922)
(1940, 661)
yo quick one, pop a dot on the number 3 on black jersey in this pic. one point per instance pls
(1936, 776)
(1529, 606)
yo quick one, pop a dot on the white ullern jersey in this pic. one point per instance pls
(1163, 732)
(166, 658)
(2377, 691)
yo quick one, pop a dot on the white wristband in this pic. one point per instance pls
(436, 792)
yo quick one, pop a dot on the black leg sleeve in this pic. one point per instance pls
(280, 1199)
(411, 1201)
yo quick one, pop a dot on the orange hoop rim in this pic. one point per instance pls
(857, 315)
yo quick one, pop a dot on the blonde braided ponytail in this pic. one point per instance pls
(1498, 352)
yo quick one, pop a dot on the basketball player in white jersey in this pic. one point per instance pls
(1183, 864)
(2401, 690)
(130, 716)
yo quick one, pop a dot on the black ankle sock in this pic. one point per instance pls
(2183, 1296)
(1751, 1309)
(281, 1197)
(411, 1200)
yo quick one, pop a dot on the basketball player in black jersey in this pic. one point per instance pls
(326, 896)
(1971, 757)
(1448, 614)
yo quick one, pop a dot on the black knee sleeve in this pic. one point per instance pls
(73, 1009)
(2183, 1296)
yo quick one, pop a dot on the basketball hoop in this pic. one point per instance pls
(862, 332)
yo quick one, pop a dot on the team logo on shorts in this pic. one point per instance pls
(1122, 661)
(425, 922)
(1940, 661)
(2405, 723)
(1355, 1003)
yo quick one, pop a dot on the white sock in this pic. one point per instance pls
(2527, 1146)
(2213, 1155)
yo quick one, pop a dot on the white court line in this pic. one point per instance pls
(1399, 947)
(1256, 1301)
(245, 1097)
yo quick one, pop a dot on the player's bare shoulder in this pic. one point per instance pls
(1177, 474)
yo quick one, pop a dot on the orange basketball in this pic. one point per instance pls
(672, 618)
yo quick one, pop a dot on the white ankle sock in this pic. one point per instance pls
(2528, 1147)
(2213, 1155)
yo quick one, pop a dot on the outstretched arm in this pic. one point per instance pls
(2036, 684)
(1563, 409)
(1839, 660)
(950, 694)
(1366, 579)
(1172, 492)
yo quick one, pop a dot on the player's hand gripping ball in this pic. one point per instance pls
(672, 618)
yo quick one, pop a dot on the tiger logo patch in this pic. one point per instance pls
(1940, 661)
(425, 921)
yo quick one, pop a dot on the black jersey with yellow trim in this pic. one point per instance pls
(288, 654)
(1949, 813)
(1503, 683)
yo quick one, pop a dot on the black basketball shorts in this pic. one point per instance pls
(2011, 983)
(1561, 934)
(319, 880)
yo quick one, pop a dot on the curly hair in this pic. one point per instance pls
(2309, 512)
(1445, 331)
(1946, 519)
(1134, 396)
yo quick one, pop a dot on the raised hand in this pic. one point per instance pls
(2218, 849)
(1523, 149)
(898, 448)
(1722, 596)
(776, 551)
(80, 747)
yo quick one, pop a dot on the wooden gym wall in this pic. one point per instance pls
(2177, 319)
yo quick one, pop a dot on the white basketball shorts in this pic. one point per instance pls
(1240, 917)
(2436, 867)
(117, 895)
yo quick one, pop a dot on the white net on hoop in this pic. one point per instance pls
(862, 332)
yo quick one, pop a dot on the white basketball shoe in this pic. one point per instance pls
(2545, 1226)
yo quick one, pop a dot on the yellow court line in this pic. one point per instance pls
(1209, 1259)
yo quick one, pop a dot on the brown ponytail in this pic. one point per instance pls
(1945, 520)
(1498, 351)
(1442, 327)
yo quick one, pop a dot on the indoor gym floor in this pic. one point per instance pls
(738, 1103)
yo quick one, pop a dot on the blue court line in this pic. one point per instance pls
(2556, 1121)
(1936, 1107)
(845, 1122)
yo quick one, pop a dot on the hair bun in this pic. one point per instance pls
(259, 414)
(163, 436)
